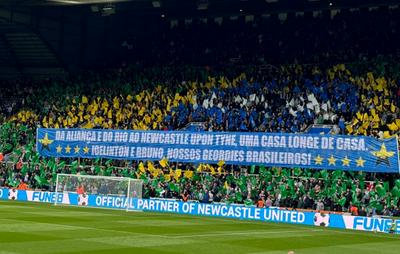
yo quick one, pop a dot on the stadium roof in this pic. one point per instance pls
(212, 5)
(179, 9)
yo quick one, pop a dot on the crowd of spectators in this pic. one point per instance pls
(287, 102)
(348, 36)
(361, 98)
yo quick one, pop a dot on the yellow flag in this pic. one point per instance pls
(199, 168)
(349, 129)
(164, 162)
(221, 163)
(386, 92)
(370, 76)
(365, 125)
(188, 174)
(84, 99)
(116, 103)
(167, 178)
(392, 108)
(379, 87)
(386, 102)
(376, 100)
(386, 134)
(212, 170)
(226, 185)
(365, 118)
(141, 111)
(398, 123)
(45, 124)
(178, 174)
(147, 119)
(150, 165)
(141, 167)
(393, 126)
(359, 116)
(155, 172)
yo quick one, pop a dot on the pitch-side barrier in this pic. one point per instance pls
(241, 212)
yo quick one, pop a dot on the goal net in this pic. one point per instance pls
(87, 188)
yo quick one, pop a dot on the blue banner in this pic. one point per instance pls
(358, 153)
(277, 215)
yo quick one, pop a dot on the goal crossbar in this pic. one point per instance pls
(85, 185)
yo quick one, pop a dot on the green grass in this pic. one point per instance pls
(43, 228)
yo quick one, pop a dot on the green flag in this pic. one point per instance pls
(154, 183)
(396, 191)
(14, 183)
(324, 174)
(248, 202)
(144, 178)
(97, 169)
(173, 187)
(252, 169)
(74, 167)
(24, 169)
(61, 165)
(238, 197)
(380, 190)
(397, 183)
(342, 201)
(386, 186)
(41, 180)
(125, 172)
(354, 199)
(296, 171)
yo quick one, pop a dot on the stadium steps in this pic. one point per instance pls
(8, 65)
(33, 57)
(30, 50)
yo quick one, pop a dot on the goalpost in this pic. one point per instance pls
(85, 185)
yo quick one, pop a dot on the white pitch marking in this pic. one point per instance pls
(242, 233)
(365, 233)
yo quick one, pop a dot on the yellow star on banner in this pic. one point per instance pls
(360, 162)
(332, 160)
(86, 149)
(318, 160)
(67, 149)
(46, 142)
(382, 156)
(346, 161)
(59, 149)
(77, 149)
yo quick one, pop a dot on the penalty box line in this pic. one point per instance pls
(233, 233)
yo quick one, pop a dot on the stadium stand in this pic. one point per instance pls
(25, 53)
(334, 78)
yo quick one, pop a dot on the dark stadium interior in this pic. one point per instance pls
(81, 35)
(276, 66)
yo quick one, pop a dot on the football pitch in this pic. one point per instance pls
(44, 228)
